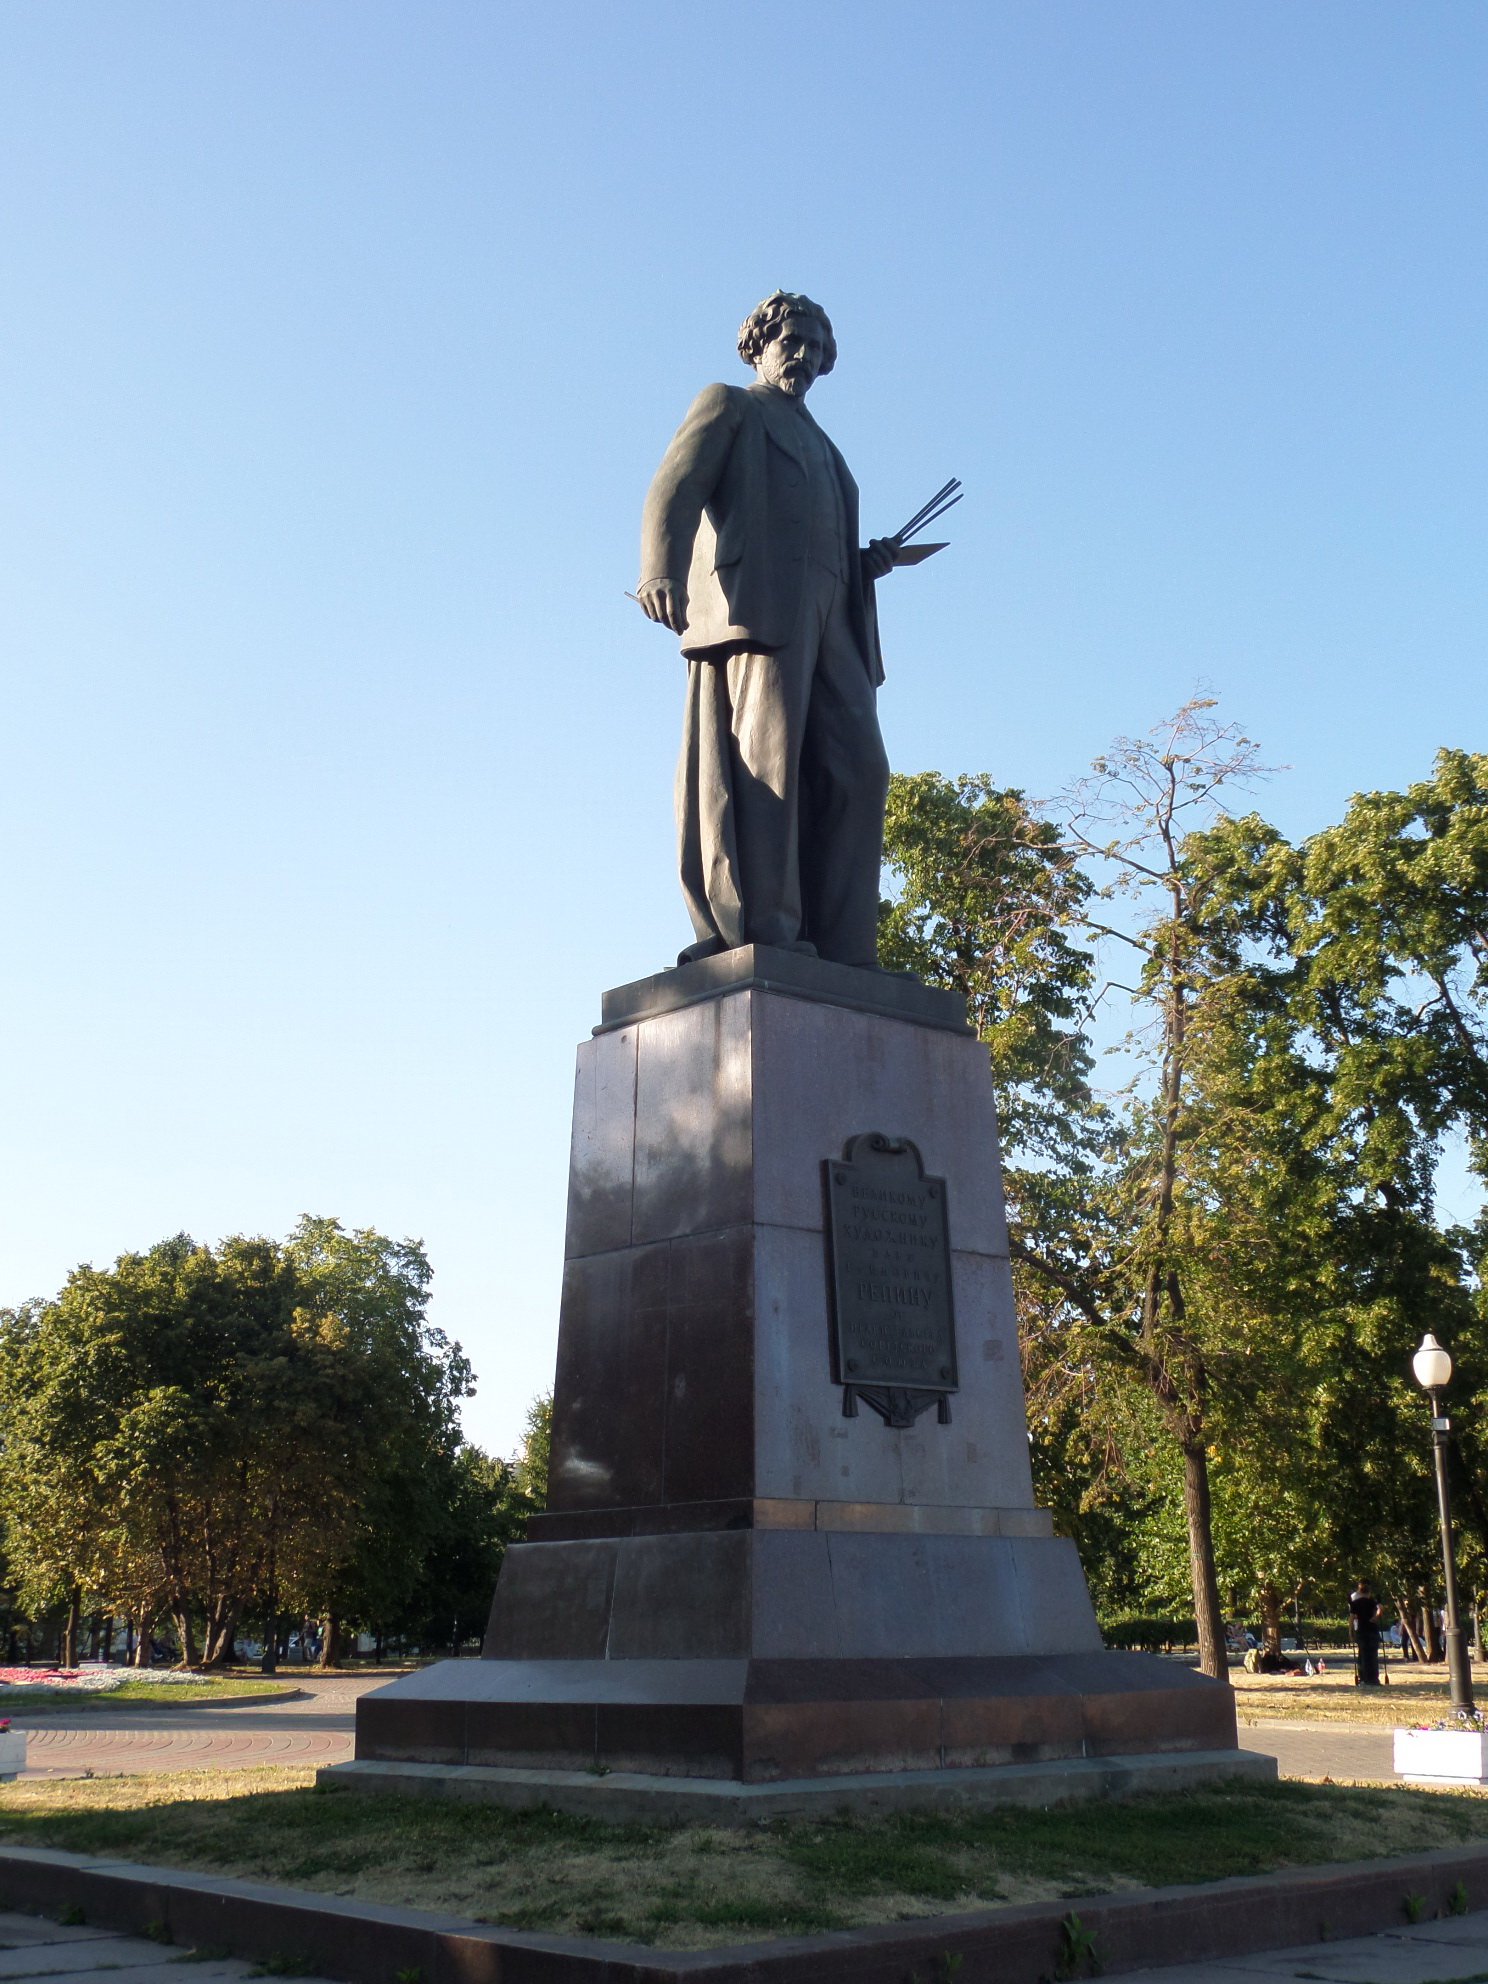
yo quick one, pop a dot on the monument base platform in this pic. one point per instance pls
(629, 1797)
(763, 1721)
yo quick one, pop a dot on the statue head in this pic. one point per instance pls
(788, 340)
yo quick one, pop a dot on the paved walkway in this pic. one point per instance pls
(319, 1729)
(1324, 1749)
(1450, 1952)
(30, 1946)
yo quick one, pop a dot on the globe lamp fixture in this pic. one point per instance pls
(1432, 1365)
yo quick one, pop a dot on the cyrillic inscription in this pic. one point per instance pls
(890, 1268)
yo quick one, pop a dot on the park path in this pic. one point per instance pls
(1349, 1755)
(318, 1729)
(1449, 1952)
(30, 1946)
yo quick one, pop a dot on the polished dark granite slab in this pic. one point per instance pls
(891, 994)
(755, 1721)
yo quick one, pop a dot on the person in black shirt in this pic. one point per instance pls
(1364, 1617)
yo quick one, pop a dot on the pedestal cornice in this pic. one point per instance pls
(889, 994)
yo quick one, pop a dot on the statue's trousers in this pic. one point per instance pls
(780, 790)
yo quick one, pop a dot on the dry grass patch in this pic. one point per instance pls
(1413, 1695)
(691, 1887)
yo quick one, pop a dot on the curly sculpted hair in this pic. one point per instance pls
(765, 319)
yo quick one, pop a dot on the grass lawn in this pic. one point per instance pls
(159, 1694)
(690, 1886)
(1414, 1694)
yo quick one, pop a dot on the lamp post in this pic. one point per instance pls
(1433, 1369)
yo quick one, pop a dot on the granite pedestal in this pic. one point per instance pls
(751, 1572)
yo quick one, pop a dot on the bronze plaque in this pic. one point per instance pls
(889, 1255)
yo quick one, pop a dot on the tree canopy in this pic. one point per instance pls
(204, 1433)
(1224, 1261)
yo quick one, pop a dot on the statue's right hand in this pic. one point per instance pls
(665, 601)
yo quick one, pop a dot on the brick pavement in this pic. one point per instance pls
(319, 1729)
(30, 1946)
(1454, 1951)
(1321, 1749)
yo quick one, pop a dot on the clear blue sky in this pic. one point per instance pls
(339, 343)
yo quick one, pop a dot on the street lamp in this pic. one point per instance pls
(1433, 1369)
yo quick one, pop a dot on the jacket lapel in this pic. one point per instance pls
(782, 426)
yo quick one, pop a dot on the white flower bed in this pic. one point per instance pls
(89, 1680)
(1442, 1756)
(74, 1680)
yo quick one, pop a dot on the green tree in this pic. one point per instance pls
(484, 1510)
(1119, 1248)
(395, 1432)
(986, 896)
(197, 1431)
(1221, 1273)
(988, 900)
(1392, 919)
(530, 1469)
(1347, 1049)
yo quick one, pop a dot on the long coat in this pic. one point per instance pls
(726, 515)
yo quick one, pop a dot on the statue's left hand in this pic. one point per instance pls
(878, 559)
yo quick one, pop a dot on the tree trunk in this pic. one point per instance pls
(222, 1631)
(269, 1664)
(270, 1661)
(1213, 1658)
(108, 1639)
(330, 1641)
(186, 1633)
(1270, 1599)
(69, 1649)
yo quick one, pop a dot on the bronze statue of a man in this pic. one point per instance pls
(749, 551)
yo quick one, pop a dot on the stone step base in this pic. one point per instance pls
(624, 1797)
(772, 1721)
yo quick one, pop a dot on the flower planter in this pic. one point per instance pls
(1442, 1756)
(12, 1752)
